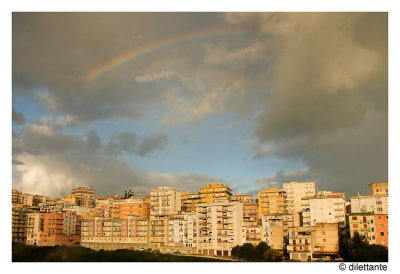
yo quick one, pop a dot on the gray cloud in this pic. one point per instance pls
(18, 117)
(328, 103)
(152, 143)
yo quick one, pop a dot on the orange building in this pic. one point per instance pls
(60, 229)
(189, 200)
(121, 210)
(382, 229)
(250, 211)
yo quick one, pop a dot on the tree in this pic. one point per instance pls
(273, 255)
(361, 251)
(247, 252)
(260, 250)
(358, 240)
(235, 251)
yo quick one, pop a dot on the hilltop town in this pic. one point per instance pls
(297, 221)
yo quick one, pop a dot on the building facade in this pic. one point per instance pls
(370, 203)
(378, 188)
(215, 192)
(295, 192)
(272, 200)
(218, 227)
(165, 201)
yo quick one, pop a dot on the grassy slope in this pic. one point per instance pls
(24, 253)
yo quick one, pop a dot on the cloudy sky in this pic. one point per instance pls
(122, 101)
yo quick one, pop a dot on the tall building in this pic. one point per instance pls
(295, 192)
(219, 227)
(182, 230)
(18, 230)
(371, 203)
(165, 201)
(34, 227)
(215, 191)
(189, 200)
(272, 200)
(84, 196)
(378, 188)
(60, 229)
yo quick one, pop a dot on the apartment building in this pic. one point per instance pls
(370, 203)
(69, 199)
(215, 191)
(382, 229)
(110, 234)
(312, 242)
(272, 200)
(189, 200)
(295, 192)
(18, 226)
(218, 227)
(84, 196)
(275, 227)
(60, 229)
(251, 232)
(158, 231)
(165, 201)
(378, 188)
(250, 211)
(273, 231)
(324, 209)
(182, 230)
(243, 198)
(27, 199)
(130, 207)
(16, 196)
(34, 227)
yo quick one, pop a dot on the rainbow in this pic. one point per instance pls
(153, 47)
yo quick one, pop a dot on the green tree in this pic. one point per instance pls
(273, 255)
(247, 252)
(260, 250)
(235, 251)
(361, 251)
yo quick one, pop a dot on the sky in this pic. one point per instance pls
(121, 101)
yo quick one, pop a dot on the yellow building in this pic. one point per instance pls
(215, 192)
(271, 200)
(69, 199)
(378, 188)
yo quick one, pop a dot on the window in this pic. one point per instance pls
(382, 233)
(354, 218)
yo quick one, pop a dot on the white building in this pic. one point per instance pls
(323, 209)
(371, 203)
(295, 192)
(182, 230)
(165, 201)
(219, 227)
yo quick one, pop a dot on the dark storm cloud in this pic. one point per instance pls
(328, 106)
